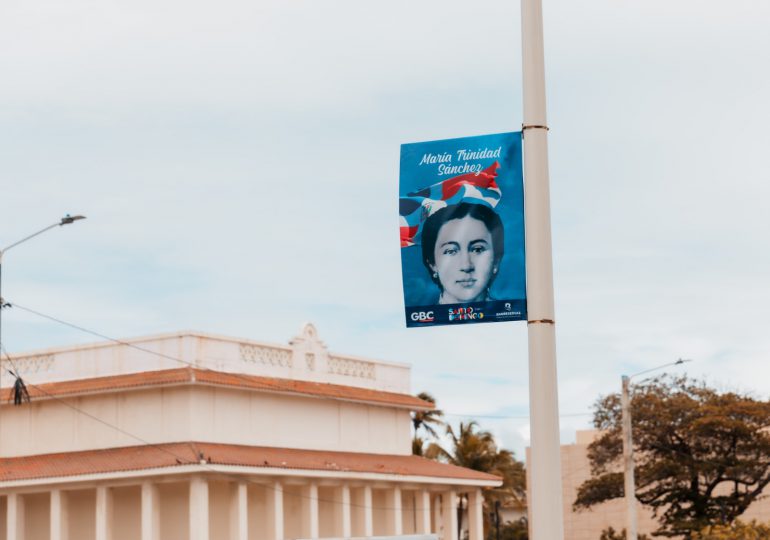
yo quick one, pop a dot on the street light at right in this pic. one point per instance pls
(628, 449)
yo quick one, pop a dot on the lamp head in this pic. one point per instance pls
(66, 220)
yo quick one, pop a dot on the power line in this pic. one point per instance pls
(183, 460)
(506, 417)
(240, 376)
(180, 459)
(237, 375)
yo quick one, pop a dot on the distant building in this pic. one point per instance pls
(588, 524)
(513, 512)
(189, 436)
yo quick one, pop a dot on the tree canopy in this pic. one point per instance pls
(701, 456)
(735, 531)
(474, 448)
(611, 534)
(426, 421)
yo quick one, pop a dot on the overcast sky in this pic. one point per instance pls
(238, 164)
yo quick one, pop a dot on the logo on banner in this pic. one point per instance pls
(465, 314)
(422, 316)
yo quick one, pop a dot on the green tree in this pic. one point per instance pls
(736, 531)
(513, 492)
(702, 457)
(474, 448)
(426, 421)
(610, 534)
(512, 530)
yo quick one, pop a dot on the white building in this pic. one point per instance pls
(192, 436)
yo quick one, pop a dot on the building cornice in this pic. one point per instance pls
(206, 377)
(174, 459)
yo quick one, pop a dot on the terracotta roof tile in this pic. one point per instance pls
(236, 380)
(176, 454)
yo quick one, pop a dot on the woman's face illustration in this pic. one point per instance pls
(464, 260)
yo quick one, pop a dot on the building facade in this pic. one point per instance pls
(189, 436)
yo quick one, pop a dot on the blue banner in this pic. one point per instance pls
(461, 213)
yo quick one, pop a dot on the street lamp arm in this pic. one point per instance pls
(66, 220)
(31, 236)
(678, 362)
(629, 481)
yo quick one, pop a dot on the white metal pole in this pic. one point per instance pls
(545, 505)
(628, 461)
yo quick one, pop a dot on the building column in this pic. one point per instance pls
(368, 512)
(476, 515)
(422, 509)
(103, 513)
(359, 511)
(437, 523)
(274, 511)
(59, 516)
(14, 525)
(394, 510)
(310, 511)
(150, 512)
(449, 511)
(342, 512)
(239, 512)
(199, 509)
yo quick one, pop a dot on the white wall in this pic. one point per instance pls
(3, 515)
(174, 511)
(81, 514)
(37, 516)
(204, 414)
(127, 513)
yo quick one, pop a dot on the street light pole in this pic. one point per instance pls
(628, 461)
(545, 493)
(66, 220)
(628, 449)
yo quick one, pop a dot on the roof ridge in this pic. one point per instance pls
(155, 456)
(196, 375)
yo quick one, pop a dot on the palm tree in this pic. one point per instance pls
(426, 421)
(470, 447)
(476, 449)
(513, 492)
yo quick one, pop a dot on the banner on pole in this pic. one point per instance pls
(461, 214)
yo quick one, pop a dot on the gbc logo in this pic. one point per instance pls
(422, 316)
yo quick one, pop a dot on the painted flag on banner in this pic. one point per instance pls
(461, 220)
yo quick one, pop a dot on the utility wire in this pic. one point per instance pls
(180, 459)
(183, 460)
(238, 375)
(506, 417)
